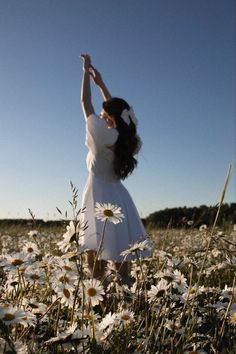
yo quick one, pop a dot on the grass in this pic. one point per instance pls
(179, 300)
(163, 310)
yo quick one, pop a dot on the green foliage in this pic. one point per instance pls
(184, 216)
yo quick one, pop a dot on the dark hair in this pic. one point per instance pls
(128, 141)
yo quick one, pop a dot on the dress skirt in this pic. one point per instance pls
(118, 237)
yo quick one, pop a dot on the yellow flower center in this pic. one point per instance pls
(92, 292)
(67, 268)
(233, 318)
(8, 317)
(64, 279)
(125, 317)
(17, 262)
(161, 292)
(34, 277)
(66, 293)
(87, 316)
(108, 212)
(192, 290)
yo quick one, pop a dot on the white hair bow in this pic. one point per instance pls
(127, 115)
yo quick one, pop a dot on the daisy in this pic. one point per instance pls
(12, 315)
(82, 334)
(190, 293)
(69, 236)
(65, 292)
(125, 316)
(233, 319)
(33, 233)
(136, 247)
(93, 291)
(228, 292)
(65, 264)
(62, 277)
(179, 281)
(165, 274)
(63, 336)
(11, 282)
(136, 270)
(107, 211)
(107, 322)
(174, 326)
(34, 274)
(203, 227)
(34, 306)
(158, 290)
(31, 248)
(17, 260)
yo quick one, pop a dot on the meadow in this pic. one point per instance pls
(180, 299)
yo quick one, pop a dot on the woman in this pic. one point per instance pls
(112, 142)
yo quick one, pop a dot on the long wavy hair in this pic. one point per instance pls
(128, 142)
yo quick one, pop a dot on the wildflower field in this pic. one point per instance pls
(180, 299)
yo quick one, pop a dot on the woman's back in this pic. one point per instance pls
(100, 140)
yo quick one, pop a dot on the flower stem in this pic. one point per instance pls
(100, 246)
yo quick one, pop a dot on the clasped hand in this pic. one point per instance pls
(87, 66)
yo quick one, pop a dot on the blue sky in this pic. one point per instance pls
(173, 61)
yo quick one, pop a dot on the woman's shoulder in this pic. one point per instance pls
(99, 130)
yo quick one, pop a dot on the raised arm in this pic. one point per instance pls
(86, 97)
(97, 78)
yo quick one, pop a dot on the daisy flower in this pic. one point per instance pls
(33, 233)
(62, 277)
(33, 273)
(203, 227)
(228, 292)
(63, 336)
(136, 247)
(232, 319)
(179, 281)
(31, 248)
(69, 236)
(93, 291)
(165, 274)
(190, 293)
(82, 334)
(12, 315)
(125, 316)
(174, 326)
(65, 292)
(158, 290)
(65, 264)
(107, 211)
(34, 306)
(136, 270)
(17, 260)
(107, 322)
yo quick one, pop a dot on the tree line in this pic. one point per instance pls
(170, 217)
(192, 216)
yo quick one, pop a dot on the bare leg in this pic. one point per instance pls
(123, 269)
(100, 265)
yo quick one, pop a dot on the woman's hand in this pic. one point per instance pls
(97, 77)
(86, 61)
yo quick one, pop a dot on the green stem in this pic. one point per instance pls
(100, 246)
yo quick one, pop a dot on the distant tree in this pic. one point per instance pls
(192, 216)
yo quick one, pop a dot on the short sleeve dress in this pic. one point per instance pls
(103, 186)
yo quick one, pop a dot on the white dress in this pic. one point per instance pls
(103, 186)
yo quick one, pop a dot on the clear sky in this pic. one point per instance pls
(172, 60)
